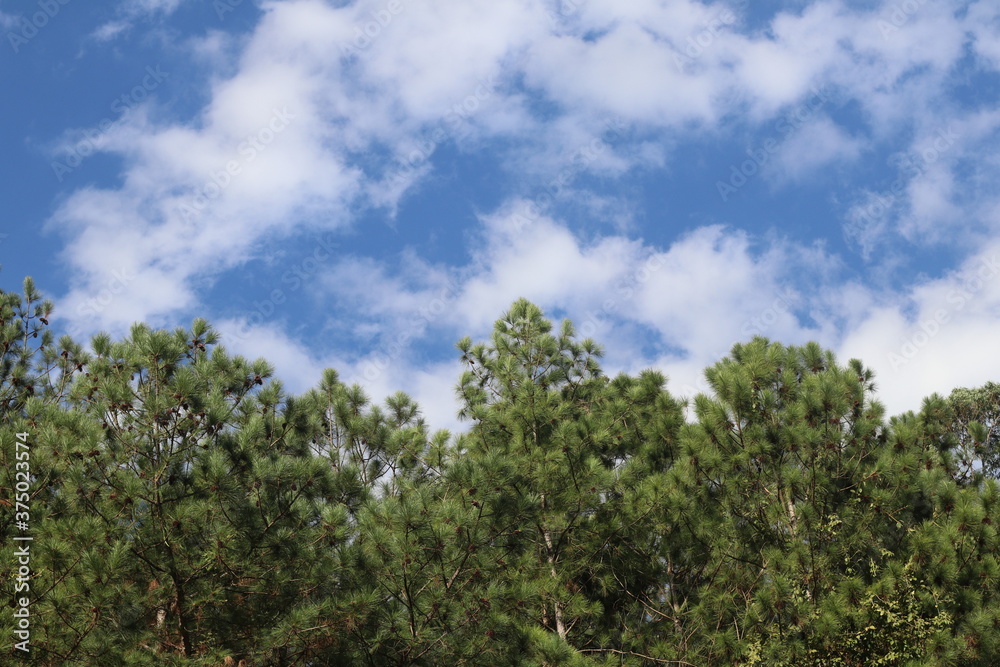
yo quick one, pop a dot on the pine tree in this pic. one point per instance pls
(180, 501)
(392, 605)
(777, 482)
(186, 510)
(952, 544)
(551, 451)
(31, 365)
(822, 535)
(35, 376)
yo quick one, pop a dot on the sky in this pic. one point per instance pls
(359, 184)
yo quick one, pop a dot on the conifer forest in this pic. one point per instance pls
(166, 502)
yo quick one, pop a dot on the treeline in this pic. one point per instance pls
(185, 509)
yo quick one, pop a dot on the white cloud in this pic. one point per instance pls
(814, 146)
(300, 368)
(199, 196)
(697, 298)
(702, 295)
(130, 13)
(541, 261)
(710, 287)
(407, 73)
(943, 190)
(196, 198)
(986, 32)
(692, 301)
(625, 72)
(108, 31)
(947, 342)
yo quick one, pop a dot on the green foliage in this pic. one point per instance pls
(185, 509)
(553, 449)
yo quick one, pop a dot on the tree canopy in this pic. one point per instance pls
(186, 509)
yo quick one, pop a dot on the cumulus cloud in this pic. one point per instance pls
(327, 113)
(679, 308)
(942, 339)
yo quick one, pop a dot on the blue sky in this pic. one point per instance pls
(358, 185)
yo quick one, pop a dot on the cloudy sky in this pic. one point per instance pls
(359, 184)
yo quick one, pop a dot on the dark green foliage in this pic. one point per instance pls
(185, 509)
(553, 451)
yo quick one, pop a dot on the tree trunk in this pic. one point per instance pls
(181, 610)
(557, 606)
